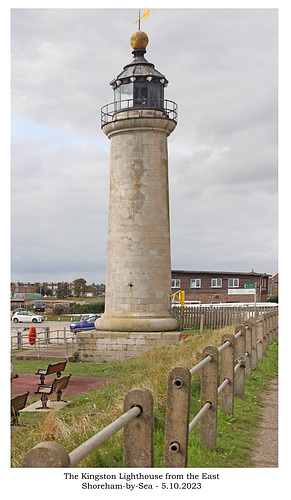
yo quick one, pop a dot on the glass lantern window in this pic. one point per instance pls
(123, 96)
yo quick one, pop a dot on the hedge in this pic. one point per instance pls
(94, 308)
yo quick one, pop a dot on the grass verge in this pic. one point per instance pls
(89, 413)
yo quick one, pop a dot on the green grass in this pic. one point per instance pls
(236, 433)
(89, 413)
(114, 369)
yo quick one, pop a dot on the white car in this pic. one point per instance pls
(26, 317)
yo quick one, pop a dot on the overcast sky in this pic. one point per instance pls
(222, 70)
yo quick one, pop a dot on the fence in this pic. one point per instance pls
(212, 317)
(138, 438)
(44, 339)
(239, 352)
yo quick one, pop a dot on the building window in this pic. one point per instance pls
(216, 282)
(175, 283)
(195, 283)
(233, 282)
(264, 283)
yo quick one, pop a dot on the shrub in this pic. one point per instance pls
(58, 310)
(94, 308)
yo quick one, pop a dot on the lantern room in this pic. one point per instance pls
(139, 86)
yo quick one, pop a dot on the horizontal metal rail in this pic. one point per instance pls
(91, 444)
(223, 346)
(222, 386)
(199, 416)
(200, 365)
(206, 407)
(236, 368)
(208, 358)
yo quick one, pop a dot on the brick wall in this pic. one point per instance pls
(207, 294)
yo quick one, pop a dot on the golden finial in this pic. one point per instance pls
(139, 39)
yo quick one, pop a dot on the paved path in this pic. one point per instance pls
(265, 452)
(76, 387)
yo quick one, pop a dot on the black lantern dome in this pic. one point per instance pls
(139, 85)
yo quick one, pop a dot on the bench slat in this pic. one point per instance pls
(18, 402)
(52, 368)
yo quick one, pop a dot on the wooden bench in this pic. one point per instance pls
(58, 385)
(17, 403)
(52, 368)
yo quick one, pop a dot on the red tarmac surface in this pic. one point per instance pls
(76, 386)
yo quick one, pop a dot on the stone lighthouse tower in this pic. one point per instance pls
(138, 275)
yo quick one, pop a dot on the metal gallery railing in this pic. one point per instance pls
(139, 108)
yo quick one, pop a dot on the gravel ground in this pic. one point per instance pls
(265, 452)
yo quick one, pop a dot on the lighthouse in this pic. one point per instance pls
(138, 269)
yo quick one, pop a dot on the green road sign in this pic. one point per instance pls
(250, 285)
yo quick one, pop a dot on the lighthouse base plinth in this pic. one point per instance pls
(100, 346)
(136, 323)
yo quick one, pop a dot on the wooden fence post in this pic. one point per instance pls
(201, 323)
(47, 454)
(239, 354)
(269, 326)
(260, 338)
(138, 435)
(177, 417)
(209, 387)
(265, 336)
(254, 344)
(249, 350)
(226, 372)
(273, 325)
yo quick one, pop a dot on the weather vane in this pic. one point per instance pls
(145, 14)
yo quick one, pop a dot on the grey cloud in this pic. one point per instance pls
(222, 69)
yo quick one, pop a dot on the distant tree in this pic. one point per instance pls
(63, 291)
(274, 298)
(79, 287)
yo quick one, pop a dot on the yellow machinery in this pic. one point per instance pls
(179, 298)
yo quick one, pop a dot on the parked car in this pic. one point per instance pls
(26, 317)
(18, 309)
(85, 316)
(39, 305)
(70, 303)
(87, 324)
(57, 304)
